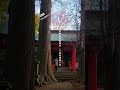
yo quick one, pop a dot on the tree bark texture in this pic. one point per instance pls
(44, 48)
(117, 43)
(81, 64)
(20, 64)
(112, 51)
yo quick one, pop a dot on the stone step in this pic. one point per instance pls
(65, 75)
(62, 69)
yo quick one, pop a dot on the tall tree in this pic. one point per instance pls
(60, 20)
(108, 48)
(3, 10)
(113, 54)
(20, 58)
(116, 12)
(44, 46)
(37, 19)
(81, 65)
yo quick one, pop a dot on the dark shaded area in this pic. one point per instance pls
(102, 37)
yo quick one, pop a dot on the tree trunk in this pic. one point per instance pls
(44, 48)
(114, 85)
(21, 44)
(117, 44)
(81, 64)
(112, 59)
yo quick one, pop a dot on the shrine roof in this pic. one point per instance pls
(68, 35)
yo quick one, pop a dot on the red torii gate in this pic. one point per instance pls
(92, 48)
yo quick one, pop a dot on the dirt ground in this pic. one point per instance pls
(61, 86)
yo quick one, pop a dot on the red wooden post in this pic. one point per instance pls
(53, 67)
(74, 59)
(92, 72)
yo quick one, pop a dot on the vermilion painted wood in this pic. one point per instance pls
(74, 59)
(53, 67)
(92, 72)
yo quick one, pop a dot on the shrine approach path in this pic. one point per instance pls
(60, 86)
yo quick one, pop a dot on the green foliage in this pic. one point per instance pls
(37, 19)
(3, 10)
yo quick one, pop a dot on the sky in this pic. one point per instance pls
(69, 9)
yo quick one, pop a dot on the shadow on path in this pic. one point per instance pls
(60, 86)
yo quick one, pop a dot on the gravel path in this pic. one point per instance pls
(59, 86)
